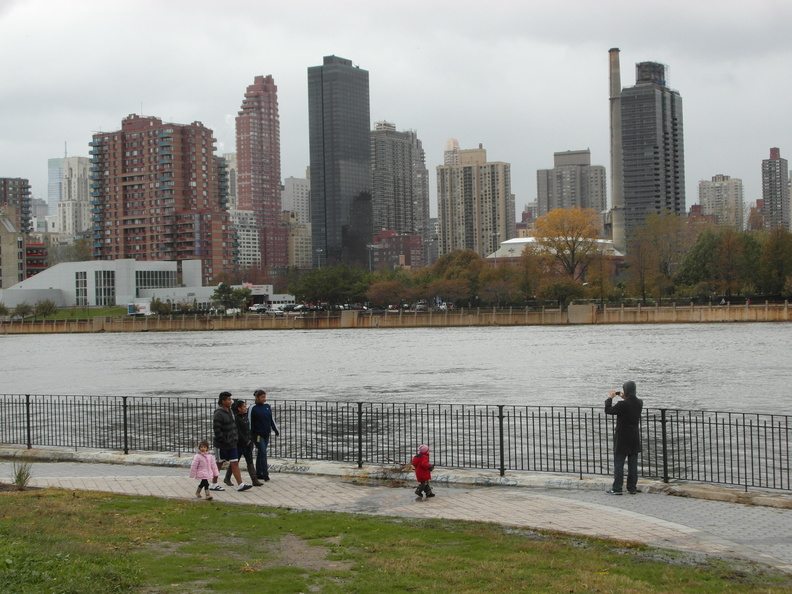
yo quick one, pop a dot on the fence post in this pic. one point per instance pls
(500, 439)
(663, 423)
(126, 426)
(360, 434)
(27, 422)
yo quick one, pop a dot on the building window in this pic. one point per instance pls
(81, 288)
(105, 287)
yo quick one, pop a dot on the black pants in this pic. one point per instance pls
(618, 472)
(425, 487)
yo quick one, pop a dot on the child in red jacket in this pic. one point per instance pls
(423, 471)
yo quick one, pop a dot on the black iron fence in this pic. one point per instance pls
(752, 450)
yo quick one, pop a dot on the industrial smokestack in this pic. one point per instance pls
(617, 157)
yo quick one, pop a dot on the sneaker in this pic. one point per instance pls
(216, 487)
(418, 492)
(430, 494)
(244, 487)
(228, 482)
(635, 492)
(257, 483)
(612, 492)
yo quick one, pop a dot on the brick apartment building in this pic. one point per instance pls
(15, 192)
(259, 170)
(159, 193)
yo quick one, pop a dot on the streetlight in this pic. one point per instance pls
(496, 234)
(370, 247)
(318, 252)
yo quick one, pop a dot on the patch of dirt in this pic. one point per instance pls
(291, 551)
(9, 487)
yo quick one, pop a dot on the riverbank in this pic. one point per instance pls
(574, 314)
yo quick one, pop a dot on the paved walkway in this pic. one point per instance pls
(755, 533)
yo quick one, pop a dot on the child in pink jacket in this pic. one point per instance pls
(203, 467)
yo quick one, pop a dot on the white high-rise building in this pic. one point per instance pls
(247, 237)
(296, 198)
(451, 152)
(74, 201)
(723, 198)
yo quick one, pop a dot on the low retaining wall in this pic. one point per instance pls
(575, 314)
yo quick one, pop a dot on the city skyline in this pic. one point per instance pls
(537, 86)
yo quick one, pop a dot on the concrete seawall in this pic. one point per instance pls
(575, 314)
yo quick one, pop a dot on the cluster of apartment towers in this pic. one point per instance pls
(157, 191)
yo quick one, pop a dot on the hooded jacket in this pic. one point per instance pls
(203, 466)
(423, 472)
(225, 429)
(627, 435)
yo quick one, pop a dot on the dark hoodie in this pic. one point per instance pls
(627, 435)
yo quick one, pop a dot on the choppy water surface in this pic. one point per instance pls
(740, 367)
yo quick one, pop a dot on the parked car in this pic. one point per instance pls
(288, 307)
(421, 307)
(258, 308)
(275, 312)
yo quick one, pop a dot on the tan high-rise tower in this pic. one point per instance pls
(475, 204)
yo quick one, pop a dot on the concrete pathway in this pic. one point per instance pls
(750, 532)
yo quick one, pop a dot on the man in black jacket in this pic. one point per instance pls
(226, 437)
(626, 437)
(262, 424)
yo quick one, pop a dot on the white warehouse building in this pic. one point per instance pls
(110, 282)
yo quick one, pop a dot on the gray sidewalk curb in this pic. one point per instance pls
(401, 474)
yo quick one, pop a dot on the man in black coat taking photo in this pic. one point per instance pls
(626, 437)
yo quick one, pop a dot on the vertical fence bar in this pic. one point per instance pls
(28, 422)
(663, 422)
(500, 439)
(360, 434)
(126, 424)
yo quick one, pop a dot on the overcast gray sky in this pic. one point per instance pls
(523, 78)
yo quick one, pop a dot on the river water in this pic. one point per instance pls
(727, 367)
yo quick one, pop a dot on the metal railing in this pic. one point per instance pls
(751, 450)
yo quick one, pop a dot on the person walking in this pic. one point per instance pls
(226, 437)
(423, 471)
(262, 425)
(244, 442)
(626, 437)
(203, 467)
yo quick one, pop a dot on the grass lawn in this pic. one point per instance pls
(62, 541)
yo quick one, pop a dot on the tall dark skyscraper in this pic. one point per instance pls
(775, 191)
(648, 142)
(339, 125)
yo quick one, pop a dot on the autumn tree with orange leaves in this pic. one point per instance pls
(569, 237)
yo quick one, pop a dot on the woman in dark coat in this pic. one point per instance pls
(626, 437)
(244, 442)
